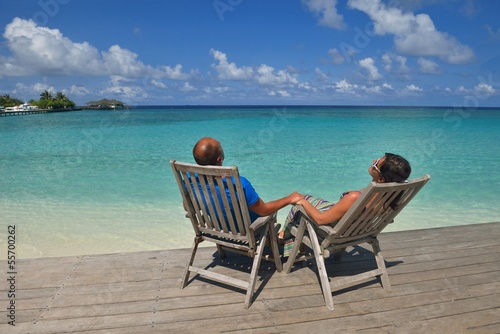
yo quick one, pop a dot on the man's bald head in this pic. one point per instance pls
(208, 151)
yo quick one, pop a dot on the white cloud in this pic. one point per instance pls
(326, 10)
(127, 92)
(229, 71)
(126, 88)
(175, 73)
(28, 90)
(369, 65)
(282, 93)
(387, 86)
(123, 62)
(40, 50)
(187, 87)
(373, 89)
(481, 90)
(41, 87)
(78, 90)
(158, 84)
(387, 62)
(44, 51)
(336, 57)
(265, 75)
(412, 89)
(344, 87)
(216, 90)
(307, 86)
(414, 35)
(403, 68)
(379, 89)
(427, 66)
(320, 76)
(484, 89)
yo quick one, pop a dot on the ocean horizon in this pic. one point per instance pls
(93, 182)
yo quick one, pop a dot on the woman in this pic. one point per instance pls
(389, 168)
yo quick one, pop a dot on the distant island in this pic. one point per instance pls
(50, 102)
(47, 101)
(105, 104)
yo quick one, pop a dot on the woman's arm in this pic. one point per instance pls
(334, 213)
(266, 208)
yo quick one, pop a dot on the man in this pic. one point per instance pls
(208, 151)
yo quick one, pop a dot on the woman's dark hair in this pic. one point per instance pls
(395, 168)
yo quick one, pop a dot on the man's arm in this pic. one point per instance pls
(265, 209)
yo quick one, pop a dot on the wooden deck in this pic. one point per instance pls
(444, 280)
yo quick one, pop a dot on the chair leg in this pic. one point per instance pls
(384, 277)
(274, 246)
(255, 268)
(221, 251)
(296, 245)
(194, 248)
(338, 255)
(320, 263)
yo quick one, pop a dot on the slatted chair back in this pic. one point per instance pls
(215, 202)
(374, 209)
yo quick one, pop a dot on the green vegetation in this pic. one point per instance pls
(49, 101)
(8, 101)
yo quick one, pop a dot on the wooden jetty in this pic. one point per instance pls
(32, 112)
(444, 280)
(23, 112)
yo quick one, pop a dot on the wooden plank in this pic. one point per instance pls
(442, 280)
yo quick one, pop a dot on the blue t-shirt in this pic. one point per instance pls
(251, 195)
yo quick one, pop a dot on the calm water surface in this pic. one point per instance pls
(99, 181)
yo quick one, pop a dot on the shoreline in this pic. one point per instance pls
(108, 244)
(46, 229)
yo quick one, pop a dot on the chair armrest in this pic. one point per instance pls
(325, 228)
(261, 221)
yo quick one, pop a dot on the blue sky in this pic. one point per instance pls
(237, 52)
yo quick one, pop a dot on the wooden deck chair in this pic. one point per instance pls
(222, 217)
(377, 206)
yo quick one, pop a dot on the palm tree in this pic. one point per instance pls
(46, 95)
(60, 96)
(8, 101)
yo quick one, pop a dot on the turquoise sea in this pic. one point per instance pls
(89, 182)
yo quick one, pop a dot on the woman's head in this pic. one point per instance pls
(390, 168)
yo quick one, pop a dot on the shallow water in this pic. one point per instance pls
(91, 182)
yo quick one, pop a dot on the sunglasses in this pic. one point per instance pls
(374, 166)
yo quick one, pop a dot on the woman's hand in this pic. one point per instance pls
(295, 197)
